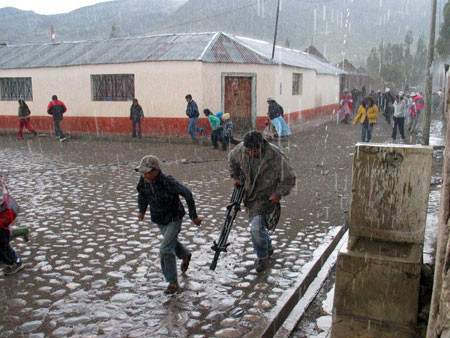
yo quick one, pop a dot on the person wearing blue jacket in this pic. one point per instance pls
(162, 193)
(193, 114)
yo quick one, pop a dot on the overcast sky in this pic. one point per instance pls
(48, 6)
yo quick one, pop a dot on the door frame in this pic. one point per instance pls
(253, 94)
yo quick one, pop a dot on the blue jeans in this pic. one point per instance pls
(138, 123)
(192, 128)
(366, 132)
(171, 247)
(260, 236)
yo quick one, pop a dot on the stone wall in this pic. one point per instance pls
(439, 320)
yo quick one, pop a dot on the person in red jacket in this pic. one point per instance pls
(346, 106)
(418, 102)
(57, 108)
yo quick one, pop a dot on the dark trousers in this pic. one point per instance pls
(216, 136)
(400, 123)
(7, 253)
(58, 130)
(230, 140)
(138, 123)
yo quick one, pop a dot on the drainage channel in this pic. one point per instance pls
(291, 306)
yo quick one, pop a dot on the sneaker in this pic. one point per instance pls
(261, 264)
(185, 263)
(62, 139)
(171, 289)
(12, 269)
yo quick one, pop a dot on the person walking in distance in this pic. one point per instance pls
(367, 116)
(24, 119)
(268, 176)
(57, 109)
(193, 114)
(162, 193)
(136, 114)
(400, 111)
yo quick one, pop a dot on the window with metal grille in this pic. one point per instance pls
(297, 84)
(112, 87)
(15, 88)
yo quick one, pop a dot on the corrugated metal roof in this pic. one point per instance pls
(289, 56)
(121, 50)
(207, 47)
(224, 49)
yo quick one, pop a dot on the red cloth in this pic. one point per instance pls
(56, 103)
(347, 99)
(24, 123)
(419, 102)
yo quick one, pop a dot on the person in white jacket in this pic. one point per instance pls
(400, 109)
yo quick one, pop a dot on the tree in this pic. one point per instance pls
(373, 62)
(287, 43)
(443, 42)
(113, 33)
(419, 63)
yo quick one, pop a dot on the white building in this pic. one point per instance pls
(98, 79)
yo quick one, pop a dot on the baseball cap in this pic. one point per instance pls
(413, 94)
(270, 99)
(225, 116)
(148, 163)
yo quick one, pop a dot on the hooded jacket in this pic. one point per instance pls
(275, 174)
(163, 196)
(371, 113)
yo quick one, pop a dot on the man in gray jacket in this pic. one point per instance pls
(268, 177)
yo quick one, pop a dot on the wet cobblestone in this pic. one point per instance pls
(93, 269)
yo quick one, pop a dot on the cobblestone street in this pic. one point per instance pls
(93, 269)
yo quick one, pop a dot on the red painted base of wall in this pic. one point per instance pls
(150, 126)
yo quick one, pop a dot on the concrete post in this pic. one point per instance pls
(378, 274)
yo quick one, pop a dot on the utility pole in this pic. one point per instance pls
(429, 77)
(276, 28)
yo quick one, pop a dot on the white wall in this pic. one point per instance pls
(327, 90)
(159, 86)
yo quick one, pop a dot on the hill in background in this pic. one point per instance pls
(338, 28)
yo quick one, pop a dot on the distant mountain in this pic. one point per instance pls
(333, 26)
(337, 28)
(129, 17)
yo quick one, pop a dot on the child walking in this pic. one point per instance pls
(8, 212)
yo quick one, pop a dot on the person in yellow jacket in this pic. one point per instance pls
(367, 116)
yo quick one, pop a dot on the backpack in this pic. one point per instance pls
(9, 209)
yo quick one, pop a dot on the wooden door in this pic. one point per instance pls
(238, 102)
